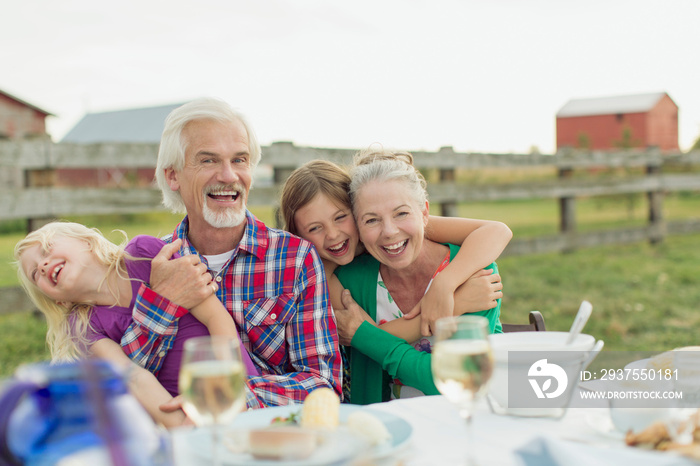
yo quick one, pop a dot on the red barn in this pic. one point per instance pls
(619, 122)
(19, 119)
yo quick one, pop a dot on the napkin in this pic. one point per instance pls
(548, 451)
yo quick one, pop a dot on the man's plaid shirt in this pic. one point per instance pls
(275, 288)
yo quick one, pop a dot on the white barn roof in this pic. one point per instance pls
(133, 125)
(636, 103)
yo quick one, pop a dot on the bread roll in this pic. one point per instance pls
(321, 409)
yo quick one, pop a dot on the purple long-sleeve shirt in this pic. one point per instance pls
(113, 322)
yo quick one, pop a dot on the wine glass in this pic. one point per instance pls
(462, 365)
(212, 383)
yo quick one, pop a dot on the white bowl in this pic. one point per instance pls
(501, 343)
(507, 360)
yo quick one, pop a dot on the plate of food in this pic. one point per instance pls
(319, 432)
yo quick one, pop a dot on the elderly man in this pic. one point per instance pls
(270, 281)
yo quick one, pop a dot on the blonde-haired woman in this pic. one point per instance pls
(390, 206)
(315, 205)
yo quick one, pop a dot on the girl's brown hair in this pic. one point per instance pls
(307, 181)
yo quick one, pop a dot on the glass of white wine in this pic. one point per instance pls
(462, 365)
(212, 384)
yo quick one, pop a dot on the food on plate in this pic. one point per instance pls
(297, 435)
(657, 437)
(368, 427)
(664, 360)
(281, 443)
(291, 420)
(321, 409)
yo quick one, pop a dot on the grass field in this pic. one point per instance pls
(644, 297)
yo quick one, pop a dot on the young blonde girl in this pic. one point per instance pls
(86, 286)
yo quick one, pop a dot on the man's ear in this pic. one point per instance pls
(172, 179)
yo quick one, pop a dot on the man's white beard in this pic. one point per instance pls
(227, 218)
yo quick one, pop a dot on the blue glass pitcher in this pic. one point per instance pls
(80, 412)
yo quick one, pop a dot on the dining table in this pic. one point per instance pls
(582, 436)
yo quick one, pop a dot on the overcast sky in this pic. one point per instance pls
(478, 75)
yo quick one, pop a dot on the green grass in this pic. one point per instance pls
(644, 297)
(22, 339)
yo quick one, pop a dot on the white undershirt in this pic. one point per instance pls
(217, 261)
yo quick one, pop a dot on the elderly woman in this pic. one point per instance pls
(390, 207)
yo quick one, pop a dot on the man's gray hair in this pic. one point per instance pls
(171, 153)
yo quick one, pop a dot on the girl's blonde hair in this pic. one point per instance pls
(384, 165)
(307, 181)
(67, 328)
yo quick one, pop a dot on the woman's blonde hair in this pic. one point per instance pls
(67, 328)
(384, 165)
(307, 181)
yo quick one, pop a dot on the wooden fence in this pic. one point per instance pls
(27, 170)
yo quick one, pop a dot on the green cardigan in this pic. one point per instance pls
(376, 357)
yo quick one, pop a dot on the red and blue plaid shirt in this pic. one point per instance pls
(275, 288)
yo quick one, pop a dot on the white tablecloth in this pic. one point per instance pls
(575, 439)
(439, 438)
